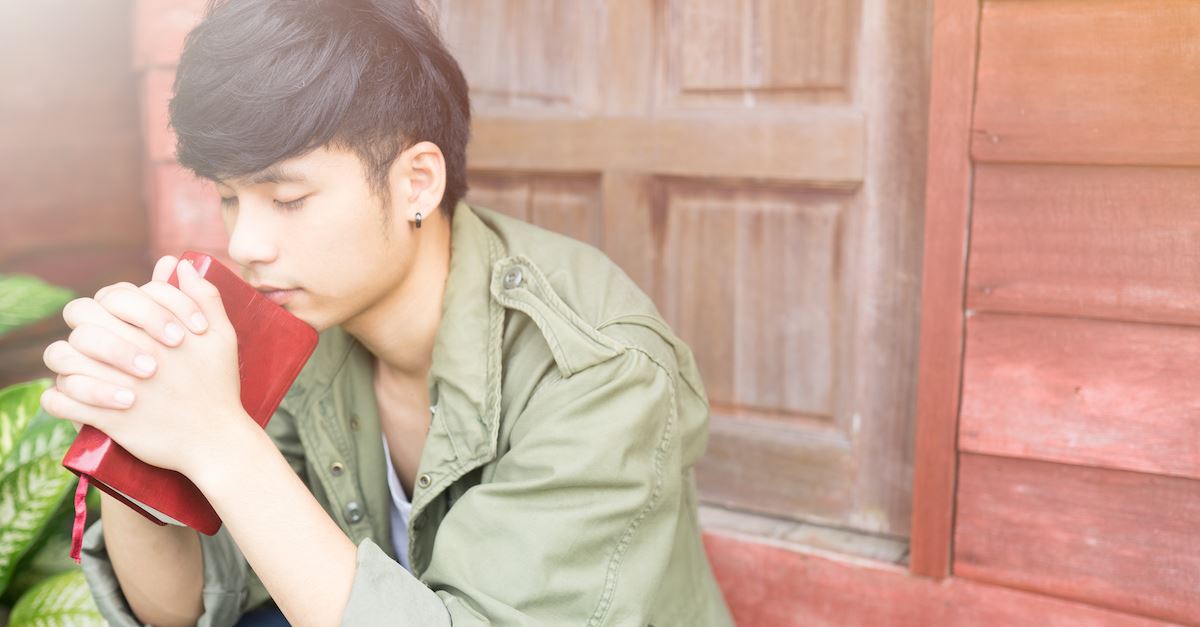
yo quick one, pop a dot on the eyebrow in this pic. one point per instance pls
(273, 174)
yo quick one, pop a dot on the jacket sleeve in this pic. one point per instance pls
(576, 525)
(231, 587)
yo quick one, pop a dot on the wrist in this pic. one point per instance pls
(240, 440)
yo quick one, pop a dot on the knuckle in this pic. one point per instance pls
(108, 298)
(72, 385)
(108, 289)
(86, 390)
(80, 335)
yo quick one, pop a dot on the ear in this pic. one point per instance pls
(419, 179)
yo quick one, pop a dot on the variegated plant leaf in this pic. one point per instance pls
(60, 601)
(49, 555)
(18, 405)
(25, 299)
(32, 485)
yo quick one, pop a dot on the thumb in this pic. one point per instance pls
(202, 292)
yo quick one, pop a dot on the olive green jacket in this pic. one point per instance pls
(555, 486)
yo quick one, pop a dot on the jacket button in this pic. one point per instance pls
(354, 423)
(424, 481)
(513, 278)
(354, 512)
(336, 468)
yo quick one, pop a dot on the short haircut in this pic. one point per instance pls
(261, 81)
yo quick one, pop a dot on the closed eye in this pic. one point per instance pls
(286, 205)
(291, 205)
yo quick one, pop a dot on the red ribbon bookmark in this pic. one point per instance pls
(80, 518)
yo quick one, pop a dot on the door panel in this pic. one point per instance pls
(757, 167)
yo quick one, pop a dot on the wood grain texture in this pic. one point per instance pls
(565, 204)
(880, 262)
(770, 586)
(629, 41)
(792, 469)
(750, 283)
(1087, 81)
(947, 207)
(825, 148)
(504, 192)
(757, 53)
(1086, 392)
(525, 53)
(1112, 538)
(633, 213)
(1110, 242)
(735, 190)
(763, 44)
(569, 205)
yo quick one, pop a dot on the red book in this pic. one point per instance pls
(273, 346)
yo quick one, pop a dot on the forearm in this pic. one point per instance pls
(160, 568)
(301, 556)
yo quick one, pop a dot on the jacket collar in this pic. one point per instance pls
(464, 378)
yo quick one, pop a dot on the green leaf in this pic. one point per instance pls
(32, 485)
(18, 405)
(48, 556)
(25, 299)
(61, 600)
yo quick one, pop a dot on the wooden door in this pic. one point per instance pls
(757, 167)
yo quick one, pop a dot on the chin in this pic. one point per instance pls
(318, 320)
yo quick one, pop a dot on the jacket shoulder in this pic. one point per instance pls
(584, 305)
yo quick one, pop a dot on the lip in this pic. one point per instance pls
(276, 295)
(263, 287)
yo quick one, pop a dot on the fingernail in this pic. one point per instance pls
(198, 322)
(174, 333)
(144, 363)
(124, 398)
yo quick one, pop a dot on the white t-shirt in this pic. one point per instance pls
(401, 509)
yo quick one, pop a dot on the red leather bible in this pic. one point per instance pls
(273, 346)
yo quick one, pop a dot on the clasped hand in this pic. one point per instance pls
(153, 367)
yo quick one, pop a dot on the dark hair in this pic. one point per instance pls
(261, 81)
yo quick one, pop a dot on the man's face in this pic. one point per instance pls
(310, 225)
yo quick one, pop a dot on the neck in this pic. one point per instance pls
(400, 328)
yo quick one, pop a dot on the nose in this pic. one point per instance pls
(251, 238)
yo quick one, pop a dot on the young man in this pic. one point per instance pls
(497, 427)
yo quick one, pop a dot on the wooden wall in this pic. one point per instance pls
(1079, 473)
(1065, 329)
(71, 207)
